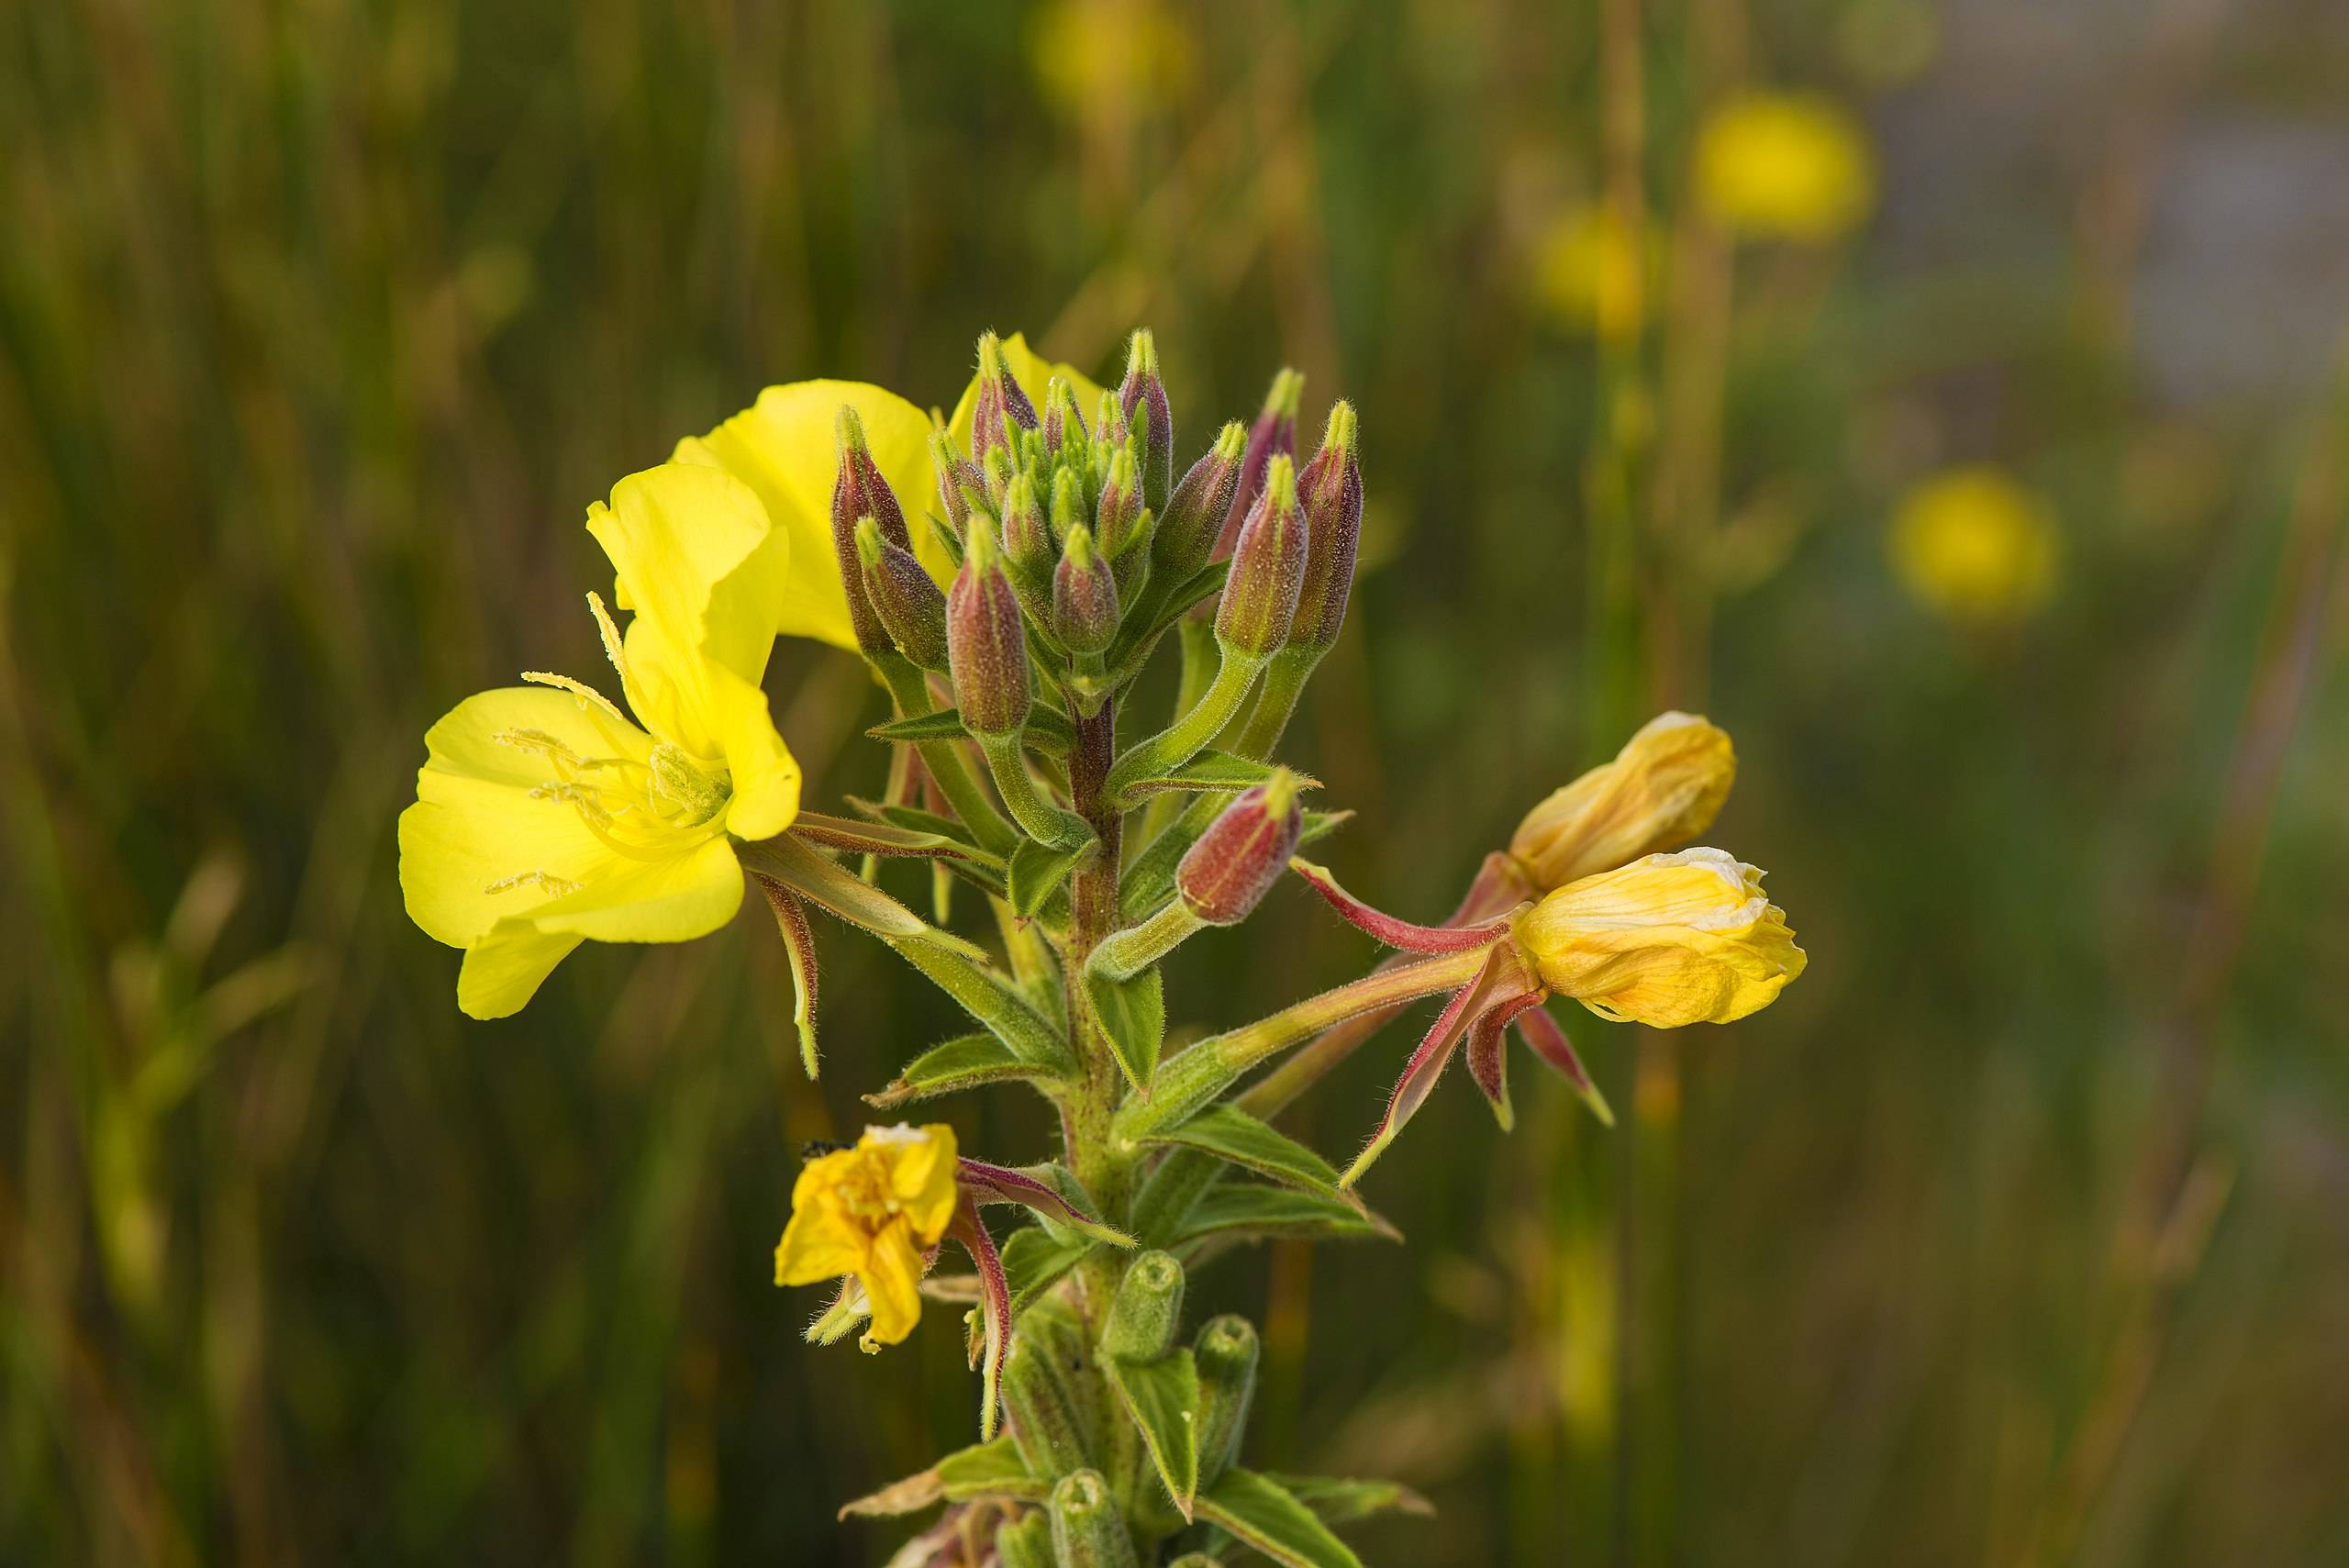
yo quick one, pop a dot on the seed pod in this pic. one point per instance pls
(1000, 406)
(1063, 421)
(1267, 569)
(1226, 1352)
(1226, 872)
(958, 480)
(1144, 388)
(1045, 1425)
(1329, 494)
(1148, 1304)
(1087, 1531)
(987, 648)
(1026, 1542)
(1194, 513)
(911, 609)
(1272, 434)
(1026, 538)
(860, 491)
(1084, 595)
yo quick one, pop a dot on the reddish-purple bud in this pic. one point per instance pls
(911, 609)
(958, 480)
(1267, 569)
(1063, 421)
(987, 648)
(1235, 863)
(1000, 406)
(1194, 513)
(1116, 521)
(860, 491)
(1329, 494)
(1084, 595)
(1144, 389)
(1274, 433)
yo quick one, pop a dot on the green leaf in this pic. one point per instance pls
(1163, 1399)
(992, 998)
(963, 1062)
(1036, 870)
(823, 882)
(1212, 769)
(1132, 1015)
(946, 724)
(1249, 1211)
(1320, 825)
(1229, 1133)
(1034, 1260)
(887, 838)
(1338, 1502)
(1259, 1512)
(910, 1495)
(990, 1470)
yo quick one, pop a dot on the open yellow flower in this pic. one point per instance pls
(1666, 941)
(1663, 788)
(872, 1212)
(545, 816)
(1972, 545)
(1785, 166)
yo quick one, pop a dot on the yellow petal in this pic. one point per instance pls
(1663, 789)
(1032, 371)
(892, 1281)
(821, 1242)
(921, 1176)
(1784, 165)
(782, 447)
(505, 969)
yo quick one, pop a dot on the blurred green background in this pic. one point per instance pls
(2013, 1234)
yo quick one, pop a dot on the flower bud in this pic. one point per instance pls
(1025, 1542)
(1145, 1310)
(1001, 407)
(1047, 1422)
(1026, 538)
(860, 491)
(911, 609)
(1063, 422)
(1087, 1530)
(1226, 1351)
(987, 648)
(1666, 941)
(1328, 492)
(1663, 788)
(958, 481)
(995, 476)
(1274, 433)
(1084, 595)
(1143, 389)
(1116, 519)
(1234, 863)
(1194, 513)
(1267, 569)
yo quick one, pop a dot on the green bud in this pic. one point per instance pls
(1120, 509)
(1046, 1426)
(1084, 595)
(1026, 538)
(987, 648)
(1063, 422)
(1026, 1542)
(1267, 568)
(1194, 515)
(1148, 1304)
(958, 481)
(1087, 1531)
(910, 606)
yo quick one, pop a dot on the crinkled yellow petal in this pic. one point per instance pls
(784, 448)
(892, 1279)
(1032, 371)
(1663, 788)
(921, 1178)
(822, 1242)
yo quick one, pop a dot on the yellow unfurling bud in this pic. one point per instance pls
(872, 1211)
(1663, 789)
(1666, 941)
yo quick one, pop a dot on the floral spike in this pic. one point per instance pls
(799, 946)
(994, 1311)
(1549, 1041)
(1001, 1183)
(1396, 933)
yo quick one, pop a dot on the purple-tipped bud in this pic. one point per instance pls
(1026, 538)
(1001, 407)
(1084, 595)
(987, 648)
(1274, 433)
(859, 491)
(1063, 422)
(1329, 494)
(1267, 568)
(911, 609)
(958, 481)
(1144, 388)
(1116, 520)
(1194, 513)
(1235, 863)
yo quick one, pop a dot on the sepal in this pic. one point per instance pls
(1393, 932)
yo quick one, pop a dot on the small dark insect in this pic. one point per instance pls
(817, 1148)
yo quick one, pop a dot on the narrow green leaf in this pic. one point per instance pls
(1259, 1512)
(946, 724)
(1163, 1399)
(963, 1062)
(989, 1470)
(1249, 1211)
(887, 838)
(1212, 770)
(1336, 1501)
(1229, 1133)
(1034, 1260)
(1321, 824)
(994, 1001)
(1132, 1015)
(910, 1495)
(1036, 870)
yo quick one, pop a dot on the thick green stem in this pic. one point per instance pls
(1196, 638)
(1135, 949)
(1182, 740)
(1038, 817)
(1285, 680)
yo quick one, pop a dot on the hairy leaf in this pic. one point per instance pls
(1161, 1397)
(1260, 1512)
(1231, 1134)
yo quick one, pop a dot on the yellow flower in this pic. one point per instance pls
(1592, 272)
(1032, 371)
(872, 1211)
(1663, 788)
(1971, 544)
(1666, 941)
(785, 448)
(544, 817)
(1785, 166)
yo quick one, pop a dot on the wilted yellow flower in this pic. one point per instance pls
(1128, 55)
(1663, 788)
(1591, 271)
(1971, 544)
(872, 1211)
(1785, 166)
(1666, 941)
(544, 817)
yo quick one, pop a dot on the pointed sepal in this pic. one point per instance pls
(1040, 1187)
(1549, 1041)
(1387, 928)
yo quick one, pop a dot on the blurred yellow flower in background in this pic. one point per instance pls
(1591, 272)
(872, 1211)
(1663, 788)
(1126, 56)
(1666, 941)
(1785, 166)
(1973, 545)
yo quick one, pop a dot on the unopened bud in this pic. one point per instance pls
(958, 480)
(1063, 422)
(1047, 1421)
(1025, 1543)
(1144, 388)
(1226, 1352)
(1661, 790)
(1087, 1530)
(1001, 407)
(1026, 538)
(911, 609)
(995, 476)
(1267, 568)
(1145, 1310)
(1068, 502)
(1194, 513)
(1272, 434)
(1120, 508)
(1235, 863)
(1084, 595)
(860, 491)
(1329, 494)
(987, 648)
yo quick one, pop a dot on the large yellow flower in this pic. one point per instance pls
(1785, 166)
(544, 817)
(1666, 941)
(872, 1211)
(1663, 788)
